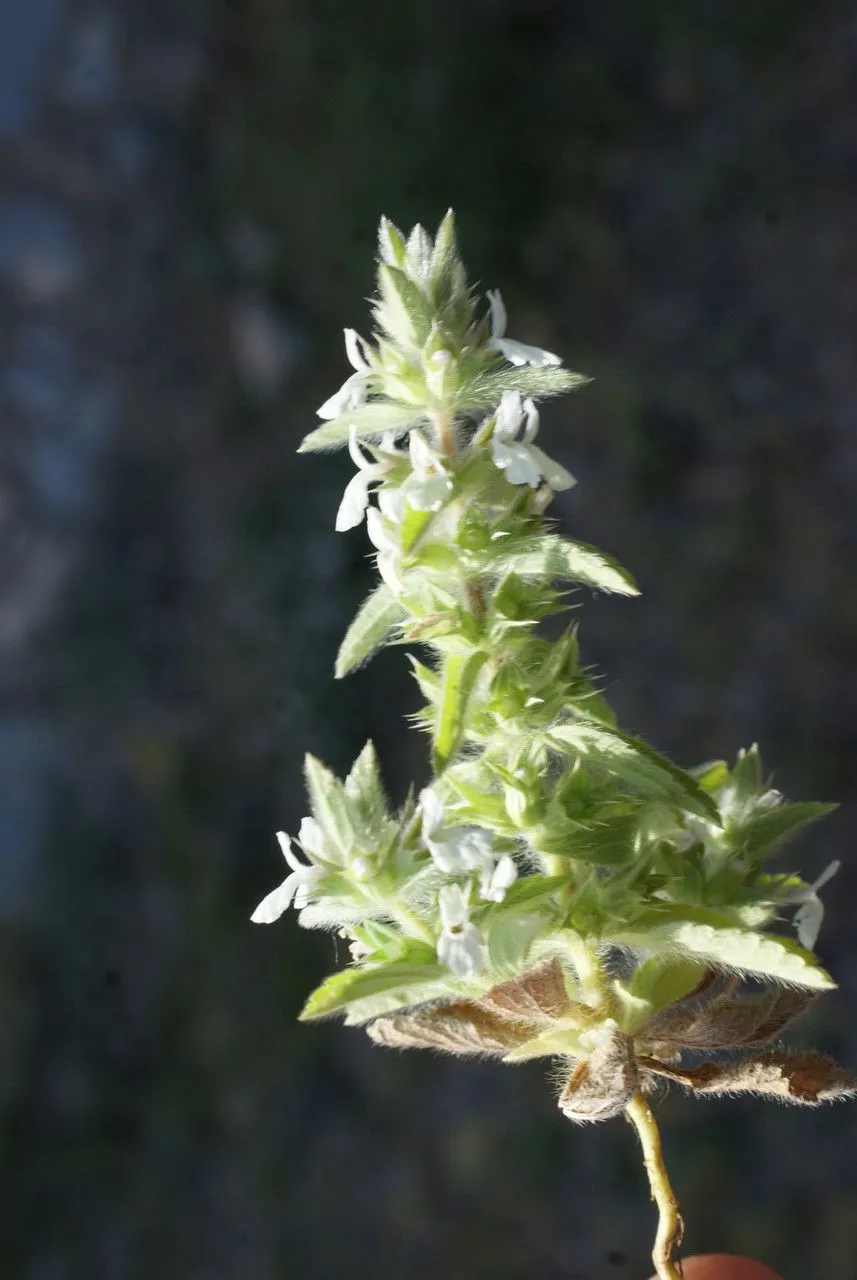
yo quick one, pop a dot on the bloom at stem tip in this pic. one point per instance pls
(459, 946)
(297, 884)
(523, 461)
(515, 352)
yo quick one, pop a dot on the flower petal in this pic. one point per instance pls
(462, 952)
(354, 502)
(311, 837)
(509, 416)
(498, 313)
(517, 462)
(273, 906)
(350, 395)
(453, 906)
(556, 476)
(432, 810)
(522, 353)
(427, 492)
(355, 348)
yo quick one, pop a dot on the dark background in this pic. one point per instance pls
(666, 192)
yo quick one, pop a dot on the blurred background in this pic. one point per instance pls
(189, 191)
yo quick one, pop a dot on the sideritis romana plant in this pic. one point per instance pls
(559, 889)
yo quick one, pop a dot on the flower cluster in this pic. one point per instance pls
(559, 888)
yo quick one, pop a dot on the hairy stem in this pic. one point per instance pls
(670, 1224)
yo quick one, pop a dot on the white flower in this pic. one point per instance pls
(523, 462)
(352, 393)
(355, 499)
(428, 486)
(809, 916)
(389, 552)
(297, 885)
(495, 881)
(515, 352)
(453, 849)
(459, 946)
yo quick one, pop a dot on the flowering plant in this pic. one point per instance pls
(559, 889)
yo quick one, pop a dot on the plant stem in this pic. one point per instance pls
(670, 1224)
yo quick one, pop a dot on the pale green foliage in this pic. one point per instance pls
(548, 835)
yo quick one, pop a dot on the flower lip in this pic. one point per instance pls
(459, 946)
(522, 461)
(515, 352)
(296, 886)
(810, 914)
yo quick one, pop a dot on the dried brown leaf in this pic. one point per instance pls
(460, 1028)
(602, 1085)
(806, 1079)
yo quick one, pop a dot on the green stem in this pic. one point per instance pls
(670, 1224)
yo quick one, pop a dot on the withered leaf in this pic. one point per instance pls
(460, 1028)
(602, 1085)
(539, 996)
(728, 1022)
(806, 1079)
(506, 1016)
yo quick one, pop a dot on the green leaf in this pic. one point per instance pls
(369, 420)
(328, 803)
(459, 677)
(378, 616)
(510, 936)
(405, 312)
(564, 1042)
(662, 982)
(402, 984)
(635, 763)
(444, 271)
(556, 558)
(695, 932)
(413, 526)
(747, 774)
(486, 390)
(528, 890)
(364, 788)
(418, 252)
(767, 832)
(711, 776)
(391, 243)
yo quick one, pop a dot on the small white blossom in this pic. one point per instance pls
(522, 461)
(428, 486)
(810, 914)
(495, 881)
(296, 886)
(389, 551)
(352, 393)
(515, 352)
(459, 946)
(355, 499)
(453, 849)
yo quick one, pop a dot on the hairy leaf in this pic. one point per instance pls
(403, 984)
(370, 421)
(328, 803)
(558, 559)
(459, 676)
(375, 621)
(765, 833)
(635, 763)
